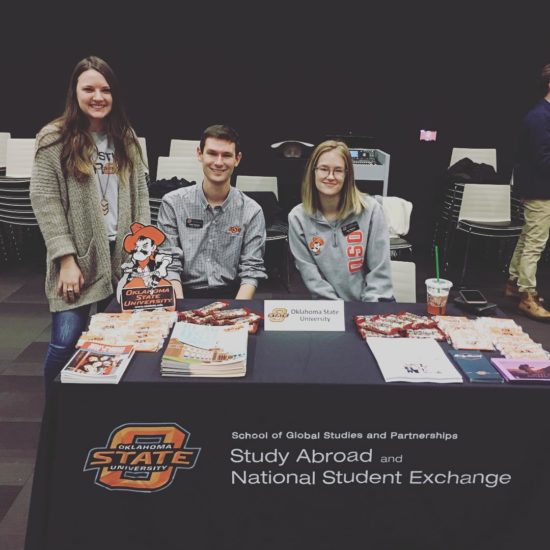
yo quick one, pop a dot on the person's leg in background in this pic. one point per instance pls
(535, 235)
(512, 283)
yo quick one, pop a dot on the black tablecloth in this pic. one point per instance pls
(308, 395)
(294, 357)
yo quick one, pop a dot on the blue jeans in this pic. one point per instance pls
(67, 326)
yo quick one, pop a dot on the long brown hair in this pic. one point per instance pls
(78, 147)
(351, 199)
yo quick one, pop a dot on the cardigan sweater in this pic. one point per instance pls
(69, 215)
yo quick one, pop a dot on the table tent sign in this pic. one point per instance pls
(304, 315)
(143, 284)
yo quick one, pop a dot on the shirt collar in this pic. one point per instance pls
(204, 202)
(319, 217)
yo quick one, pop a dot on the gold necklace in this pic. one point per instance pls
(104, 202)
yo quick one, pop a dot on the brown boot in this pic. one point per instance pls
(531, 306)
(511, 289)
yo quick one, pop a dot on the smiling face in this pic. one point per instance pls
(219, 160)
(93, 94)
(330, 173)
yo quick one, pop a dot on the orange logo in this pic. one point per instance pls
(110, 168)
(316, 244)
(278, 314)
(235, 229)
(142, 457)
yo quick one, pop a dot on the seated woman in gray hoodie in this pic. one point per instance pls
(338, 235)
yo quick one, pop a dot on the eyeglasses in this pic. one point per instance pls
(325, 171)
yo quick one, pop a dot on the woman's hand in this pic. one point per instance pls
(71, 280)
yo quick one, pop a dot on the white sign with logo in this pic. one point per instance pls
(302, 315)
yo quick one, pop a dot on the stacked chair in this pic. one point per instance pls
(19, 235)
(485, 211)
(477, 210)
(179, 169)
(4, 136)
(450, 207)
(183, 148)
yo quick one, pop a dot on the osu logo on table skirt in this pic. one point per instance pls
(142, 457)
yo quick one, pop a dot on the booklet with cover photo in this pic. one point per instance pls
(207, 351)
(476, 366)
(96, 363)
(523, 370)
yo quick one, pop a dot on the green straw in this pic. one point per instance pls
(437, 262)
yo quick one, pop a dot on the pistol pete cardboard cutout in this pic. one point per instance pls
(143, 284)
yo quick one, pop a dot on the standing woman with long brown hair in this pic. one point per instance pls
(87, 187)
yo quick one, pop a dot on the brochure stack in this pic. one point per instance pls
(97, 363)
(204, 350)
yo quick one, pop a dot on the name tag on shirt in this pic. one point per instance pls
(195, 224)
(350, 228)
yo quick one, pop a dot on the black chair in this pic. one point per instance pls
(154, 207)
(400, 249)
(276, 232)
(19, 232)
(467, 165)
(159, 188)
(446, 222)
(485, 210)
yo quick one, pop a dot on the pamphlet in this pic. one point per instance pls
(523, 370)
(204, 350)
(97, 363)
(413, 360)
(145, 330)
(476, 366)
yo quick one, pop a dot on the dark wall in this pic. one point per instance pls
(275, 73)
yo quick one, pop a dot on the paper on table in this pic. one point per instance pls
(413, 360)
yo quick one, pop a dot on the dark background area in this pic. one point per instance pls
(279, 71)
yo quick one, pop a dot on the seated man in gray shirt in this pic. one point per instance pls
(215, 233)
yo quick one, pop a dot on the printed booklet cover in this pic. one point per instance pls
(476, 366)
(523, 370)
(204, 350)
(97, 363)
(413, 360)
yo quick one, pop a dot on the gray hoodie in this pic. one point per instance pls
(347, 259)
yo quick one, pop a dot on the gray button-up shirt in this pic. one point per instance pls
(212, 246)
